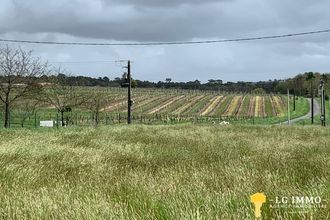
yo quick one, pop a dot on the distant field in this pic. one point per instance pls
(183, 103)
(161, 105)
(161, 172)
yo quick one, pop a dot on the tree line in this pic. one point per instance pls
(300, 84)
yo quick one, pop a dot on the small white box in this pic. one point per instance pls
(48, 124)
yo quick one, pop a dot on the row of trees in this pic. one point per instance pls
(299, 84)
(307, 83)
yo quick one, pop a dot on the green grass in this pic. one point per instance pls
(317, 119)
(161, 172)
(302, 107)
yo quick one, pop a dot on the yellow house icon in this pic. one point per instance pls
(258, 199)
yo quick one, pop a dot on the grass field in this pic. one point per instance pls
(161, 172)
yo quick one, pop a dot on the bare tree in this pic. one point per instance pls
(18, 74)
(97, 102)
(25, 109)
(58, 94)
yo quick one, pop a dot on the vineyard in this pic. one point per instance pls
(196, 103)
(183, 104)
(152, 105)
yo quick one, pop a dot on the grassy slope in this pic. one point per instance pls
(160, 172)
(302, 107)
(317, 119)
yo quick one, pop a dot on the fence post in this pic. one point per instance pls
(9, 118)
(35, 120)
(57, 121)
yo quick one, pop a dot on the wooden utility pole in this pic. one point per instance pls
(322, 102)
(129, 96)
(289, 117)
(294, 94)
(310, 77)
(312, 104)
(294, 100)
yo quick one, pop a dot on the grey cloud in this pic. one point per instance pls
(151, 20)
(160, 3)
(135, 21)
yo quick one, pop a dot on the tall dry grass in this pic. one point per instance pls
(160, 172)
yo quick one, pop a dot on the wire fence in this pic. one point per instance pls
(19, 119)
(36, 119)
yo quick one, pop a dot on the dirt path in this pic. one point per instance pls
(308, 115)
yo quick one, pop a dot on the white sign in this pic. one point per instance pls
(48, 124)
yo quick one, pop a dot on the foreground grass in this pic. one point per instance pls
(161, 172)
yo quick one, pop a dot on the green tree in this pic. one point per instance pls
(310, 78)
(258, 91)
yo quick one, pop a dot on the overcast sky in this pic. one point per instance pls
(175, 20)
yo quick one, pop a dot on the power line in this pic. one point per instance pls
(167, 43)
(91, 61)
